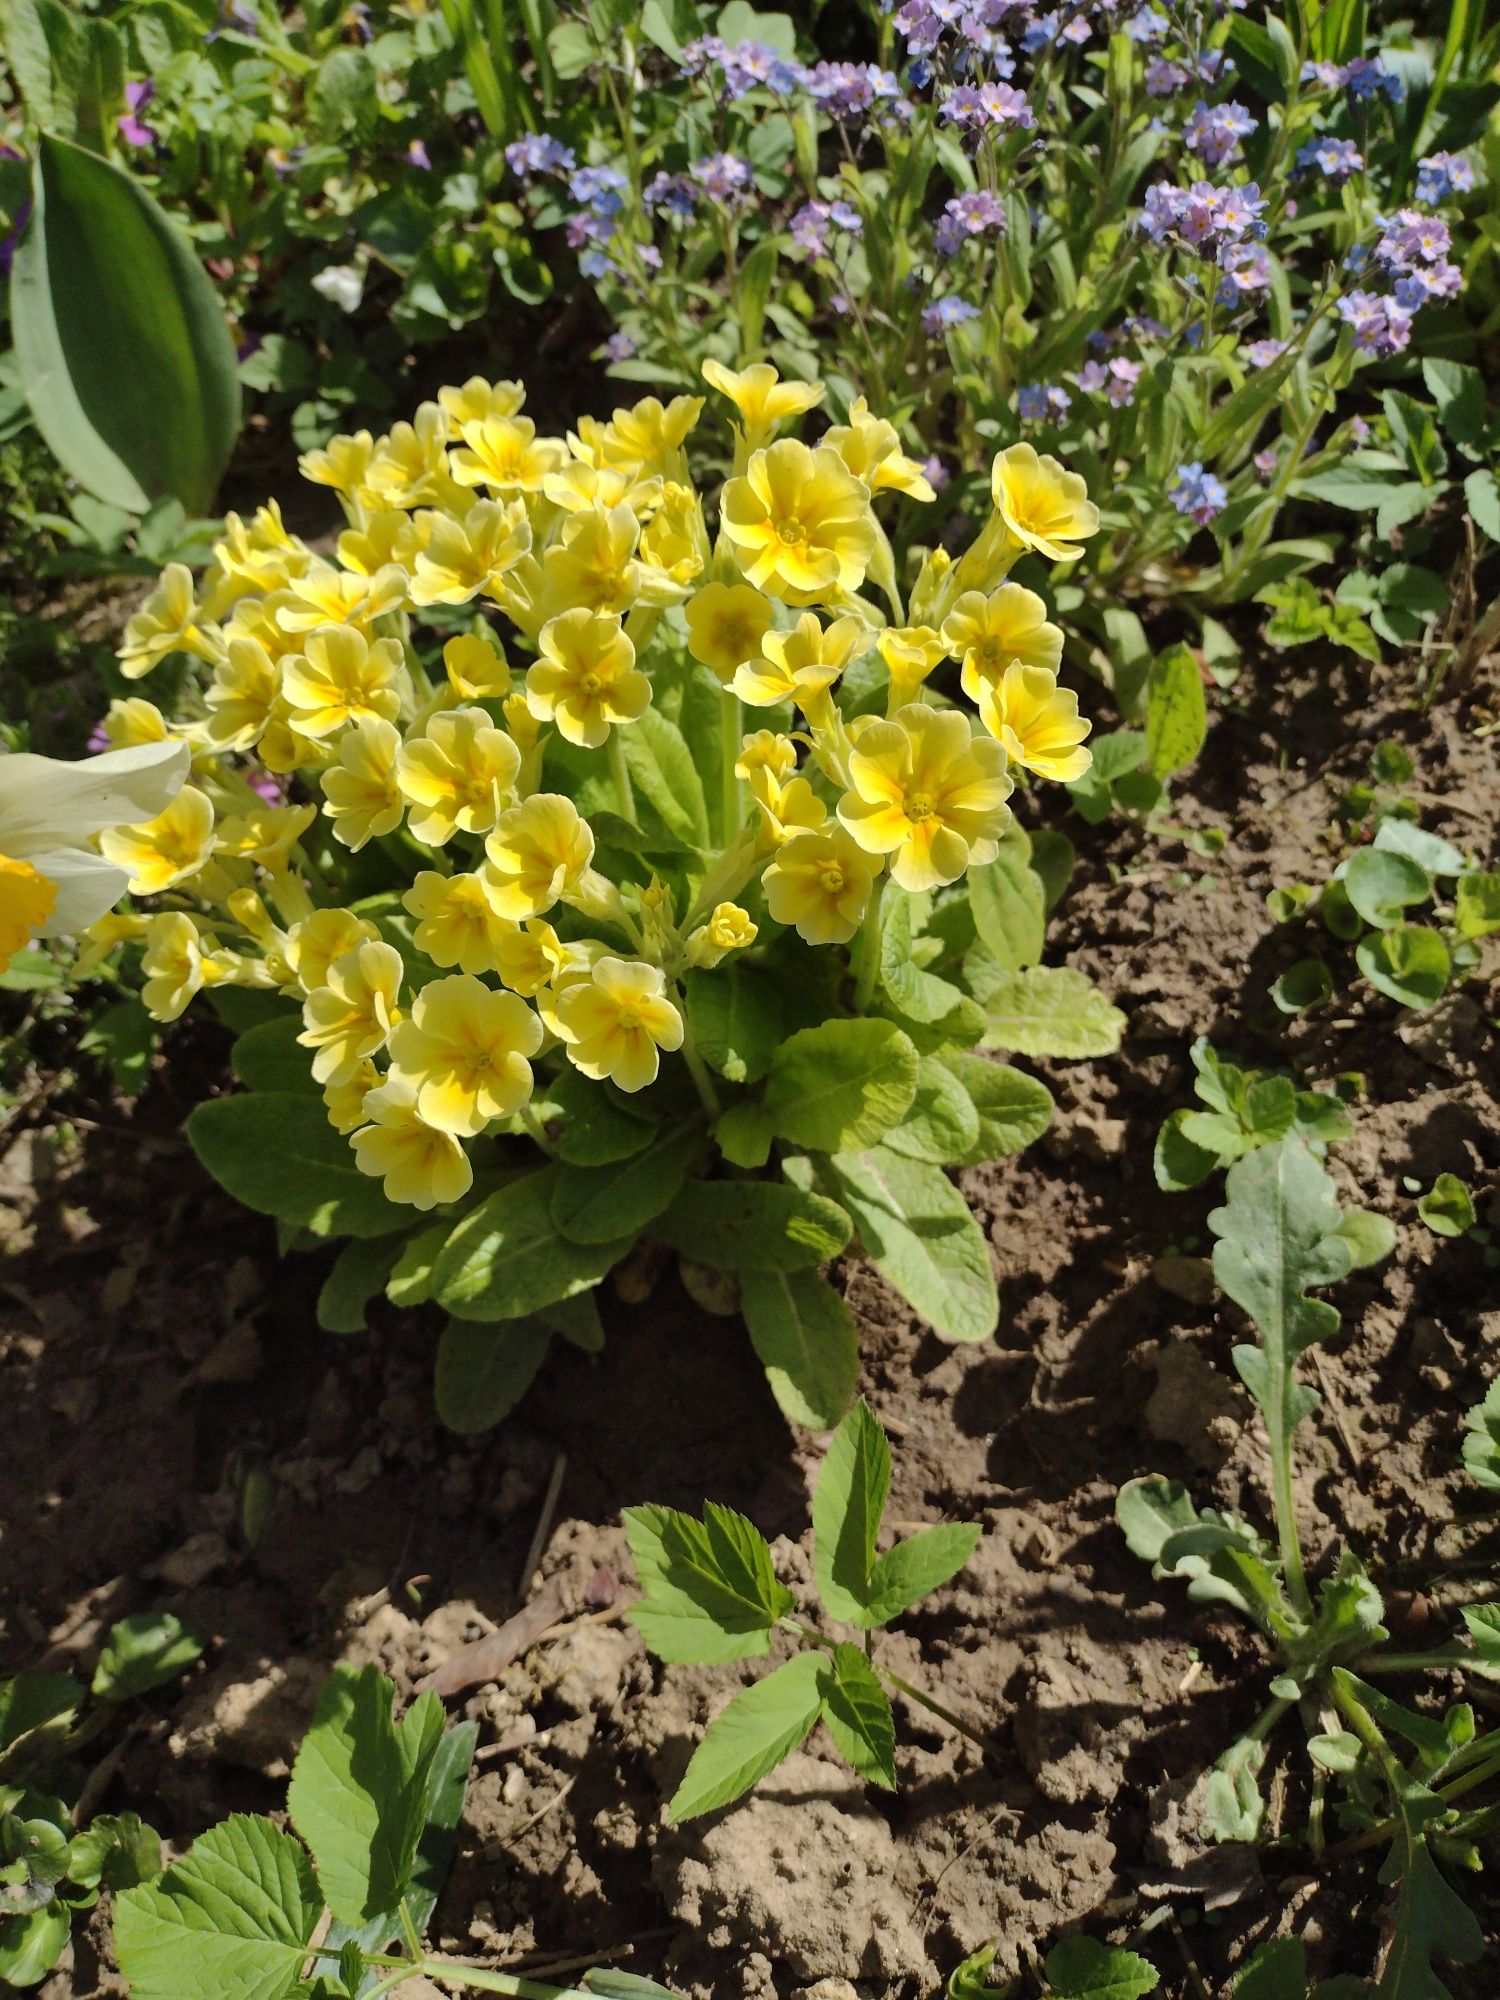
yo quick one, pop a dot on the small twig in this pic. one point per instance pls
(543, 1533)
(541, 1812)
(1187, 1957)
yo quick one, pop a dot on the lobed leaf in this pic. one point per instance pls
(711, 1592)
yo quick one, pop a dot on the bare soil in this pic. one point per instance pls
(157, 1364)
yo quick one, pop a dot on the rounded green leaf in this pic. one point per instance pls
(1408, 963)
(124, 352)
(1381, 885)
(507, 1258)
(805, 1337)
(942, 1124)
(753, 1226)
(1013, 1108)
(841, 1085)
(275, 1151)
(484, 1371)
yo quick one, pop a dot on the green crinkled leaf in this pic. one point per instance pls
(1476, 907)
(665, 777)
(143, 1652)
(922, 1563)
(758, 1729)
(1218, 1556)
(268, 1057)
(858, 1714)
(594, 1126)
(1009, 904)
(1081, 1969)
(916, 994)
(853, 1482)
(1176, 716)
(231, 1921)
(1052, 1010)
(841, 1085)
(362, 1269)
(507, 1258)
(1279, 1235)
(358, 1791)
(917, 1229)
(275, 1151)
(807, 1342)
(606, 1204)
(753, 1226)
(734, 1015)
(711, 1592)
(1014, 1109)
(745, 1135)
(483, 1371)
(942, 1124)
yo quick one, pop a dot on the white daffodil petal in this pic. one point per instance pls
(87, 886)
(45, 803)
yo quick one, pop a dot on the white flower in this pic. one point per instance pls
(342, 283)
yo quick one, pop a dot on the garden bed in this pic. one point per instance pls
(169, 1389)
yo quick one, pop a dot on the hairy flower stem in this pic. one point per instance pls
(867, 951)
(697, 1069)
(620, 771)
(734, 724)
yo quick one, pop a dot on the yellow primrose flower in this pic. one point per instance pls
(615, 1023)
(726, 623)
(729, 929)
(928, 793)
(787, 806)
(477, 669)
(418, 1164)
(241, 695)
(871, 448)
(1037, 722)
(577, 487)
(1043, 505)
(340, 676)
(458, 776)
(987, 632)
(537, 853)
(764, 750)
(591, 566)
(345, 1101)
(265, 834)
(799, 523)
(409, 468)
(133, 721)
(532, 956)
(463, 1049)
(352, 1014)
(174, 965)
(313, 944)
(168, 622)
(255, 618)
(456, 924)
(674, 545)
(282, 749)
(800, 665)
(343, 463)
(386, 536)
(587, 679)
(648, 437)
(364, 799)
(472, 555)
(475, 401)
(101, 940)
(820, 883)
(763, 400)
(257, 555)
(910, 653)
(329, 596)
(161, 852)
(506, 455)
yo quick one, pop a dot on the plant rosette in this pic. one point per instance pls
(579, 872)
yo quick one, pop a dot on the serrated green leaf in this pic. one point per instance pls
(358, 1791)
(922, 1563)
(758, 1729)
(753, 1226)
(143, 1652)
(807, 1342)
(853, 1482)
(857, 1711)
(841, 1085)
(1081, 1969)
(231, 1921)
(1481, 1449)
(1052, 1010)
(917, 1229)
(711, 1591)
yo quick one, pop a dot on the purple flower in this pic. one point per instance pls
(1214, 133)
(673, 192)
(1381, 327)
(1265, 462)
(1366, 76)
(1359, 431)
(619, 347)
(132, 129)
(1442, 175)
(1198, 494)
(1117, 379)
(538, 153)
(723, 178)
(1163, 78)
(1326, 75)
(1261, 353)
(98, 741)
(947, 311)
(936, 473)
(1246, 271)
(967, 216)
(919, 23)
(1149, 25)
(598, 189)
(852, 90)
(1334, 159)
(1042, 403)
(416, 156)
(266, 785)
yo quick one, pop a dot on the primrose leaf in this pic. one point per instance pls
(853, 1483)
(807, 1342)
(483, 1371)
(916, 1566)
(711, 1592)
(920, 1234)
(596, 1126)
(31, 1944)
(1081, 1969)
(1052, 1010)
(759, 1728)
(1279, 1234)
(507, 1257)
(358, 1791)
(857, 1711)
(734, 1015)
(841, 1085)
(1180, 1162)
(142, 1652)
(1013, 1108)
(942, 1124)
(360, 1272)
(275, 1152)
(1483, 1623)
(921, 996)
(1009, 904)
(1481, 1445)
(1176, 717)
(753, 1225)
(605, 1204)
(231, 1921)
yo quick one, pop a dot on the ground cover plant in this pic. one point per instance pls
(749, 1147)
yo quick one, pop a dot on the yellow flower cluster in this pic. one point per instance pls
(325, 715)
